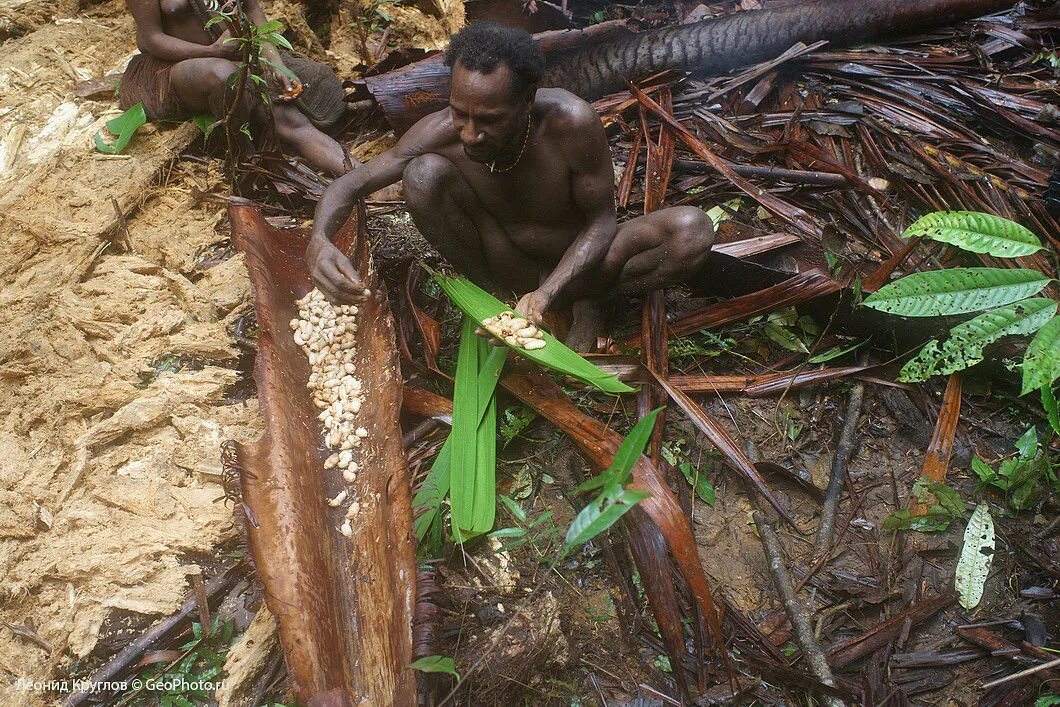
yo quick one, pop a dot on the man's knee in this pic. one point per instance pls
(691, 233)
(218, 71)
(424, 176)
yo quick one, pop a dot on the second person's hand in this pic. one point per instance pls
(334, 274)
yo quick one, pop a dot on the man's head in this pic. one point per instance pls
(495, 74)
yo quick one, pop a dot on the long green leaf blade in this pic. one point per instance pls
(965, 346)
(484, 508)
(976, 232)
(956, 291)
(479, 304)
(1041, 363)
(464, 434)
(626, 456)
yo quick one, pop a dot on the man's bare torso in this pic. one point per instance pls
(533, 202)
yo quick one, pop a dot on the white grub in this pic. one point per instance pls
(361, 432)
(339, 498)
(346, 529)
(348, 476)
(515, 331)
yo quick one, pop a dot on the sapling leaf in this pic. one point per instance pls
(976, 232)
(1051, 409)
(601, 514)
(956, 291)
(836, 352)
(626, 456)
(1041, 363)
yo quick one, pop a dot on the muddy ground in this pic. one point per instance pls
(124, 351)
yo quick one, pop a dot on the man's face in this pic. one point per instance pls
(488, 117)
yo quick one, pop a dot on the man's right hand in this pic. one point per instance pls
(225, 49)
(333, 273)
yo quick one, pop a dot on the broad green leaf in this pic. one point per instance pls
(1041, 363)
(965, 346)
(436, 664)
(983, 470)
(976, 232)
(123, 126)
(785, 338)
(626, 456)
(1027, 444)
(836, 352)
(279, 40)
(1047, 700)
(205, 122)
(976, 555)
(479, 304)
(600, 515)
(1051, 409)
(956, 291)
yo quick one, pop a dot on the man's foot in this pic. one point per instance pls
(586, 326)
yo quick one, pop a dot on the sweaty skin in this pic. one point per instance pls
(172, 31)
(542, 223)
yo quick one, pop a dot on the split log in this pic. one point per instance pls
(344, 605)
(593, 68)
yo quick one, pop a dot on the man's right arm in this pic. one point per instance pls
(152, 39)
(332, 271)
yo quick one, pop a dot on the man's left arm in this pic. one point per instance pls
(593, 192)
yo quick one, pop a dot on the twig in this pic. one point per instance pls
(132, 652)
(1022, 674)
(844, 449)
(796, 609)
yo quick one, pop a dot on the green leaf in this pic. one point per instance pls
(965, 346)
(516, 510)
(1047, 701)
(983, 470)
(948, 499)
(976, 232)
(1051, 410)
(473, 471)
(217, 19)
(479, 304)
(933, 521)
(123, 126)
(436, 664)
(435, 487)
(956, 291)
(836, 352)
(724, 211)
(700, 482)
(601, 514)
(279, 40)
(267, 27)
(626, 456)
(205, 122)
(279, 67)
(784, 337)
(1027, 444)
(976, 555)
(508, 533)
(1041, 363)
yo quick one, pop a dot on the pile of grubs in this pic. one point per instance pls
(327, 333)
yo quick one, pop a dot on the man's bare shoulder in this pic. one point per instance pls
(561, 110)
(430, 133)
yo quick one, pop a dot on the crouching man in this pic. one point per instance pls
(514, 185)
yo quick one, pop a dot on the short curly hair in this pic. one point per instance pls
(484, 45)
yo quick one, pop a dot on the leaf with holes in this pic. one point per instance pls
(965, 346)
(1041, 363)
(956, 291)
(976, 232)
(976, 555)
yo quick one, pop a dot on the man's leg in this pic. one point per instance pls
(649, 252)
(451, 217)
(201, 83)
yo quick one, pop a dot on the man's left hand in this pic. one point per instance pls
(533, 306)
(288, 85)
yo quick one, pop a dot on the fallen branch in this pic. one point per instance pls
(844, 448)
(844, 653)
(1022, 674)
